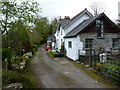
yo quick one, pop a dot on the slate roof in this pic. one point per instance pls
(51, 38)
(79, 14)
(84, 25)
(61, 23)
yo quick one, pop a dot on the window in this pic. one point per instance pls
(69, 44)
(119, 14)
(100, 28)
(115, 43)
(88, 43)
(61, 40)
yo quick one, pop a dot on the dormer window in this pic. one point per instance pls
(99, 28)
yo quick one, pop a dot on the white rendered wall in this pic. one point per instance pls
(75, 23)
(72, 53)
(119, 10)
(59, 35)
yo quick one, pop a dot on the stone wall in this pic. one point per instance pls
(105, 42)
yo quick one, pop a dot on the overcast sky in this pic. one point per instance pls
(56, 8)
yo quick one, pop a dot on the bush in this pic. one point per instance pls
(113, 72)
(6, 54)
(56, 54)
(14, 77)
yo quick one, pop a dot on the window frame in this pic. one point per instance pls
(100, 28)
(114, 43)
(89, 44)
(69, 44)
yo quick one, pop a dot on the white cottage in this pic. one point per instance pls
(85, 31)
(64, 27)
(59, 33)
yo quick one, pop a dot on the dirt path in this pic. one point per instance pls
(60, 73)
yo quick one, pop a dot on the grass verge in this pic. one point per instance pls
(28, 73)
(91, 72)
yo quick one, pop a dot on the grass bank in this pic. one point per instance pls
(91, 72)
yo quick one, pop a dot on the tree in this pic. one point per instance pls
(53, 25)
(11, 11)
(42, 27)
(97, 7)
(15, 21)
(8, 13)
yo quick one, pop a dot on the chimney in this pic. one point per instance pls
(67, 17)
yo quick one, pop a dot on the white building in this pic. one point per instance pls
(59, 32)
(85, 31)
(64, 27)
(119, 11)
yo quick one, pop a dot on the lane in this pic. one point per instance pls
(60, 73)
(46, 75)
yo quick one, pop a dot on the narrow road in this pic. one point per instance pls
(60, 73)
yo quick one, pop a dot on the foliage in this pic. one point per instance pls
(11, 11)
(56, 54)
(15, 21)
(118, 25)
(97, 7)
(6, 54)
(14, 77)
(42, 28)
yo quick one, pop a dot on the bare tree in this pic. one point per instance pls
(97, 7)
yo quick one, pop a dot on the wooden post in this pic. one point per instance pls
(91, 57)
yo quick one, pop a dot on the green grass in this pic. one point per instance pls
(93, 74)
(27, 72)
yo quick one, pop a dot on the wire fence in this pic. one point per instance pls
(106, 63)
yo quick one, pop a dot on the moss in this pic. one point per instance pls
(92, 73)
(56, 54)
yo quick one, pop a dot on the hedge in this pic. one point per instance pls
(9, 77)
(6, 53)
(56, 54)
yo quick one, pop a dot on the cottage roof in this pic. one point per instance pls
(85, 24)
(79, 14)
(61, 23)
(51, 38)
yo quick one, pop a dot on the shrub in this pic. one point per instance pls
(113, 72)
(56, 54)
(6, 54)
(14, 77)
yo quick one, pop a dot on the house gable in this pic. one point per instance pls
(75, 18)
(89, 26)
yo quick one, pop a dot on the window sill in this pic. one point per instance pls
(101, 37)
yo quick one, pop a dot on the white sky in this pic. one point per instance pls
(56, 8)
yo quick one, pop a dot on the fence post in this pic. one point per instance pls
(91, 57)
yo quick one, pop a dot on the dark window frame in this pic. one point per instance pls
(115, 43)
(69, 44)
(100, 28)
(89, 43)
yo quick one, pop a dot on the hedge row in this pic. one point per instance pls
(56, 54)
(9, 77)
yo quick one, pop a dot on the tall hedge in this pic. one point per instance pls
(6, 54)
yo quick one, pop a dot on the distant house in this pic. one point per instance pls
(85, 31)
(51, 41)
(59, 32)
